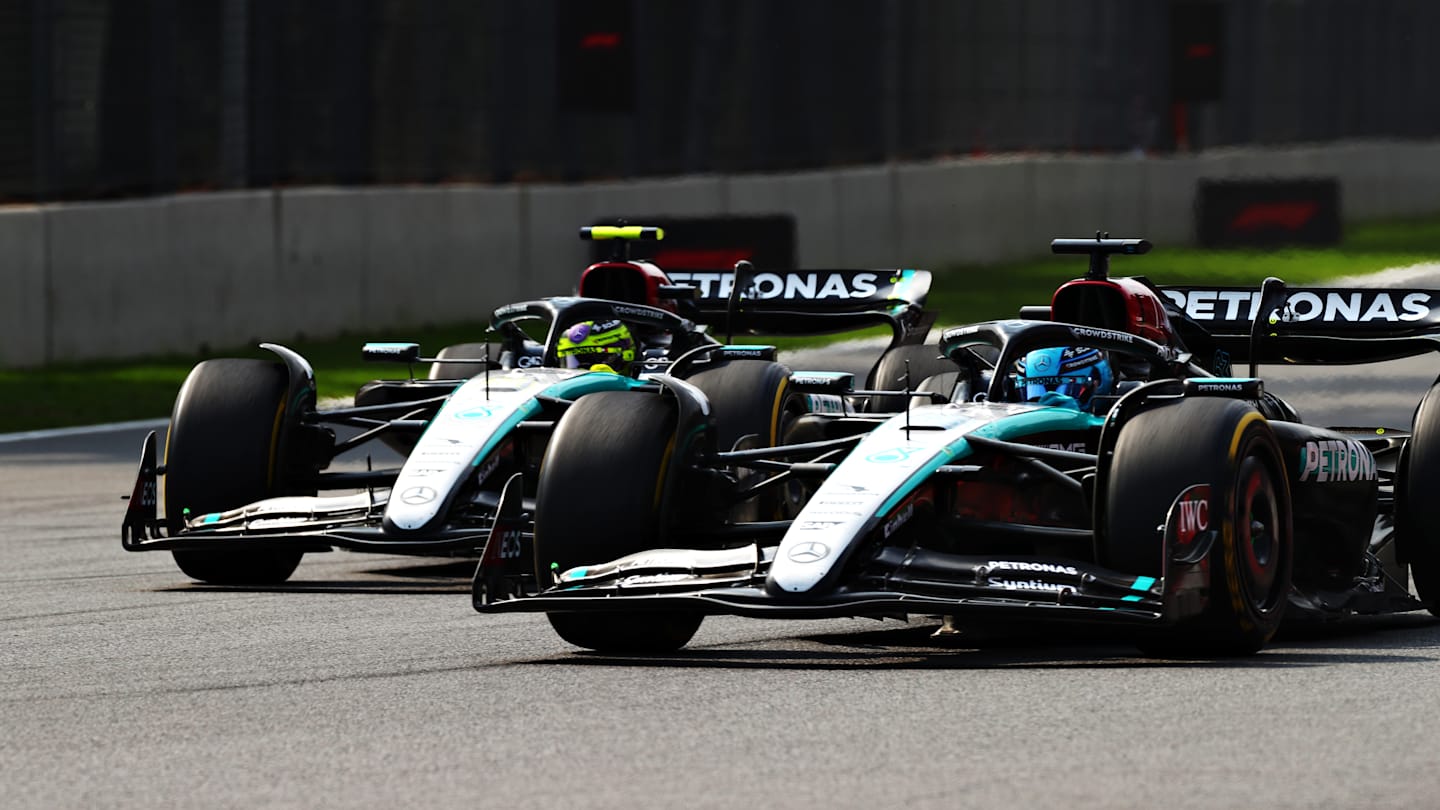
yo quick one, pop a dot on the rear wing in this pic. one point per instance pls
(802, 302)
(1314, 325)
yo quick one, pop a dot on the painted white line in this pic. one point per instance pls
(153, 424)
(60, 433)
(1424, 273)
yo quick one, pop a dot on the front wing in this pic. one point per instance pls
(302, 524)
(897, 583)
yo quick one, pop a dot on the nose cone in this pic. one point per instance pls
(800, 564)
(850, 504)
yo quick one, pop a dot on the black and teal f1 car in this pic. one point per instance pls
(254, 474)
(1176, 501)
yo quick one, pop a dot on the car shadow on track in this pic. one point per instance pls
(1365, 640)
(430, 576)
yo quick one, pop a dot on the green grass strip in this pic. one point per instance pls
(92, 393)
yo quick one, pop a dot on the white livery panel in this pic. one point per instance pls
(470, 424)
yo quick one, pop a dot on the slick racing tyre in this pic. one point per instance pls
(1416, 533)
(950, 384)
(753, 398)
(599, 497)
(460, 371)
(1229, 446)
(220, 454)
(924, 361)
(748, 397)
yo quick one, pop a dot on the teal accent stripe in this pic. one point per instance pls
(565, 389)
(589, 383)
(300, 397)
(213, 517)
(956, 448)
(1130, 599)
(1007, 429)
(1142, 584)
(1039, 420)
(503, 432)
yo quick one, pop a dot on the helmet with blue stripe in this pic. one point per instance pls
(1077, 372)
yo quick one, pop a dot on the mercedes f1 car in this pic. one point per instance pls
(250, 476)
(1097, 460)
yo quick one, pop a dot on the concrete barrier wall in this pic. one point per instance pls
(98, 280)
(111, 286)
(25, 302)
(440, 255)
(809, 197)
(222, 283)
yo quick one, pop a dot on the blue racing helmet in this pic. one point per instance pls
(1077, 372)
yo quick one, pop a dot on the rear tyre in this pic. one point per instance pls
(599, 498)
(1417, 535)
(459, 371)
(753, 398)
(220, 453)
(1226, 444)
(924, 361)
(950, 384)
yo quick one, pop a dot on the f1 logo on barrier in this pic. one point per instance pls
(1290, 216)
(1268, 212)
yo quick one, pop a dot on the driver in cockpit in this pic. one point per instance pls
(1067, 376)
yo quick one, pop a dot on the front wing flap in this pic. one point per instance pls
(294, 523)
(904, 582)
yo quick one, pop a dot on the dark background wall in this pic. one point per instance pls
(114, 98)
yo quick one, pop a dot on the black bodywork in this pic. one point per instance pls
(676, 342)
(927, 550)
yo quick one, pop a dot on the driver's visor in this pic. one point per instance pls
(1036, 387)
(585, 358)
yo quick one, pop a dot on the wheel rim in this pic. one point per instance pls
(1258, 534)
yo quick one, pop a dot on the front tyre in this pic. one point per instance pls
(599, 498)
(919, 362)
(1416, 533)
(220, 453)
(753, 398)
(460, 371)
(748, 398)
(951, 384)
(627, 632)
(1229, 446)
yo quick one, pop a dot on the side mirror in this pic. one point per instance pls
(391, 352)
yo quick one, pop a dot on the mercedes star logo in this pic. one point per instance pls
(415, 496)
(809, 552)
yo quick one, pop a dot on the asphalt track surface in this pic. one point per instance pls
(368, 681)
